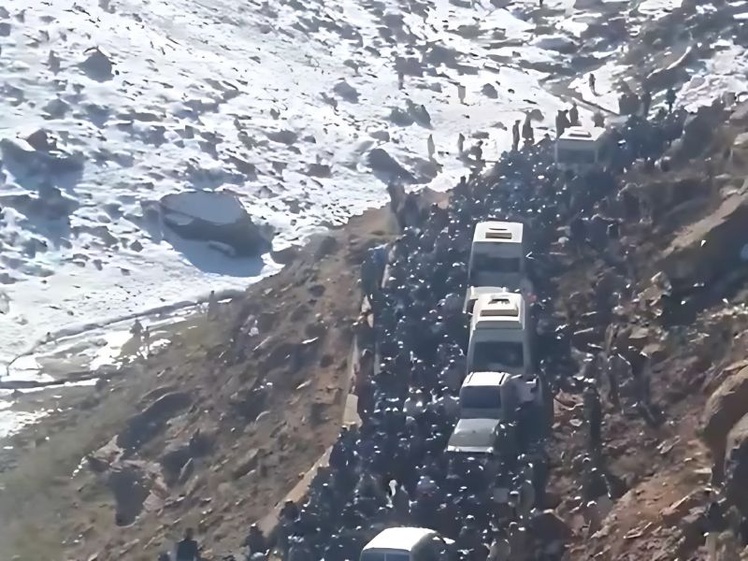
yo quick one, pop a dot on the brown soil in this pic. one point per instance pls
(292, 331)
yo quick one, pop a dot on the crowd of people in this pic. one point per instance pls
(392, 469)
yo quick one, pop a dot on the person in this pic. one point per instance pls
(431, 147)
(592, 83)
(670, 99)
(187, 549)
(598, 119)
(574, 115)
(646, 102)
(256, 541)
(460, 144)
(562, 123)
(515, 135)
(527, 133)
(594, 416)
(461, 93)
(400, 80)
(212, 305)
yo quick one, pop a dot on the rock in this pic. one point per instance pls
(401, 117)
(4, 29)
(380, 161)
(736, 466)
(323, 245)
(698, 131)
(45, 157)
(382, 136)
(319, 170)
(346, 91)
(286, 255)
(173, 460)
(130, 482)
(146, 424)
(217, 217)
(725, 407)
(56, 109)
(246, 464)
(284, 137)
(489, 91)
(710, 247)
(676, 511)
(97, 66)
(49, 204)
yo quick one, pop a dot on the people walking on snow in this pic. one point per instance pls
(670, 99)
(461, 91)
(592, 83)
(574, 115)
(400, 79)
(515, 135)
(431, 147)
(460, 144)
(527, 133)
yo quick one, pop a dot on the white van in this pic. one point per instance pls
(407, 544)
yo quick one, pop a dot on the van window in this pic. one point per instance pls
(382, 555)
(487, 353)
(480, 397)
(566, 156)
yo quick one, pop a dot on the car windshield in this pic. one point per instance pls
(488, 354)
(480, 397)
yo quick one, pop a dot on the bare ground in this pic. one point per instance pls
(264, 383)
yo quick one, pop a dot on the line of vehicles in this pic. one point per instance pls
(500, 371)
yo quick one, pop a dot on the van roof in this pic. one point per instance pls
(485, 379)
(498, 232)
(403, 538)
(582, 134)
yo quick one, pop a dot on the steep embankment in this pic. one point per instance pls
(210, 432)
(694, 332)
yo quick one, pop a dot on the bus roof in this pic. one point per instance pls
(582, 134)
(505, 308)
(498, 232)
(403, 538)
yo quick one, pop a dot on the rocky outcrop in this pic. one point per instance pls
(380, 161)
(725, 407)
(736, 466)
(149, 422)
(97, 65)
(218, 217)
(40, 152)
(132, 484)
(711, 247)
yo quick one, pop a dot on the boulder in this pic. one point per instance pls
(380, 161)
(709, 248)
(39, 152)
(215, 217)
(131, 483)
(346, 91)
(736, 466)
(146, 424)
(97, 65)
(724, 408)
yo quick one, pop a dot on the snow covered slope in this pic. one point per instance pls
(277, 101)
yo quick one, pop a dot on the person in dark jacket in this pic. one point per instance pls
(187, 549)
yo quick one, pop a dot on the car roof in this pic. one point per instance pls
(513, 230)
(401, 538)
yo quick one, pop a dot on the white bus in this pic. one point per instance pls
(582, 148)
(407, 544)
(500, 335)
(497, 260)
